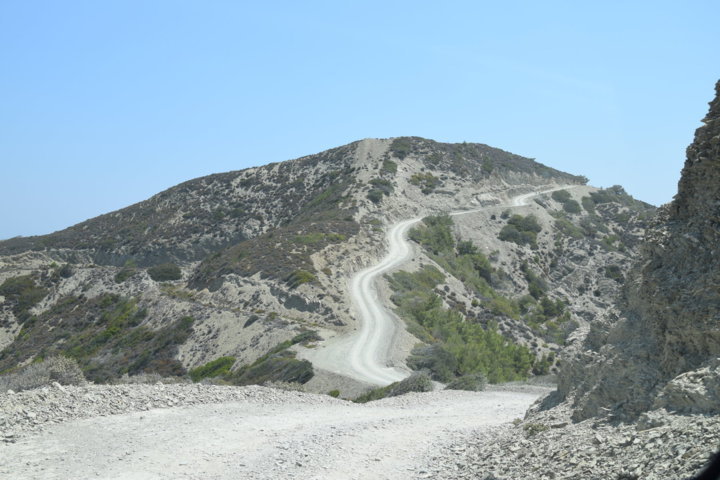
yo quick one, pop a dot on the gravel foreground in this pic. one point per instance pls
(213, 432)
(190, 431)
(660, 446)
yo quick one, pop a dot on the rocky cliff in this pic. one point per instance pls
(663, 352)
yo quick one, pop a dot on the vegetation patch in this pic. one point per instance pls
(277, 365)
(165, 272)
(43, 373)
(426, 181)
(473, 383)
(614, 272)
(22, 293)
(457, 346)
(104, 335)
(214, 368)
(379, 188)
(521, 230)
(389, 167)
(564, 197)
(417, 382)
(277, 254)
(298, 277)
(401, 147)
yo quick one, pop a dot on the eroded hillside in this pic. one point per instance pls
(244, 266)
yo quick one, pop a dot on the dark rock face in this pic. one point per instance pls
(663, 353)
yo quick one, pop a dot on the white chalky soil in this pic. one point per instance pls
(294, 435)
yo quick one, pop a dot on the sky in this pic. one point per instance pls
(104, 104)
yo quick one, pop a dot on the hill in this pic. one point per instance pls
(249, 266)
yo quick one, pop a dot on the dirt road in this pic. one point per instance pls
(364, 353)
(270, 434)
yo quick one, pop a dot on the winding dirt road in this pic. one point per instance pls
(364, 353)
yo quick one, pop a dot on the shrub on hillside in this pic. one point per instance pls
(215, 368)
(165, 272)
(23, 294)
(561, 196)
(417, 382)
(298, 277)
(475, 382)
(62, 370)
(571, 206)
(521, 230)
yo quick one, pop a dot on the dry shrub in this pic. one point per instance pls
(62, 370)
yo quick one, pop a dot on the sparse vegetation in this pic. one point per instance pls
(532, 429)
(104, 335)
(457, 345)
(521, 230)
(474, 383)
(278, 365)
(214, 368)
(569, 204)
(426, 181)
(165, 272)
(298, 277)
(43, 373)
(379, 187)
(22, 293)
(401, 147)
(417, 382)
(389, 167)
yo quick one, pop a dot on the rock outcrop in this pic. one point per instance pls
(663, 352)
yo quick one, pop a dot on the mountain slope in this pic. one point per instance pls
(253, 260)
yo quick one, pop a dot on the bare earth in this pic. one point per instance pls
(271, 434)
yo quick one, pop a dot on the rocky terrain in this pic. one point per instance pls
(640, 397)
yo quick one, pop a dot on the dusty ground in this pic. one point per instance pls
(266, 434)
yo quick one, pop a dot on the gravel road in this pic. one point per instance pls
(364, 353)
(243, 432)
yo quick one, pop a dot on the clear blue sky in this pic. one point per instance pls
(105, 103)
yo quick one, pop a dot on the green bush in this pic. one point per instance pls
(334, 393)
(571, 206)
(298, 277)
(401, 147)
(165, 272)
(417, 382)
(566, 227)
(124, 274)
(474, 383)
(536, 285)
(426, 181)
(375, 195)
(532, 429)
(23, 294)
(385, 186)
(614, 272)
(521, 230)
(588, 205)
(435, 359)
(215, 368)
(278, 367)
(388, 166)
(561, 196)
(458, 346)
(434, 234)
